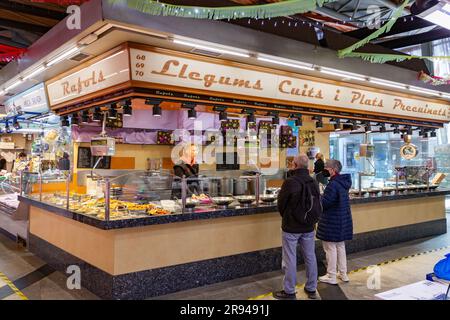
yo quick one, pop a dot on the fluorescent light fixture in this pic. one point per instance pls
(287, 64)
(34, 73)
(209, 48)
(15, 84)
(438, 14)
(63, 56)
(342, 74)
(388, 84)
(424, 91)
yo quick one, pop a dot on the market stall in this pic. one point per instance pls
(137, 230)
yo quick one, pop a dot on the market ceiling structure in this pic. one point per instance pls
(336, 25)
(22, 22)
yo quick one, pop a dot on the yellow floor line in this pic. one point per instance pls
(12, 286)
(364, 268)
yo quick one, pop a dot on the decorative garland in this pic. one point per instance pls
(263, 11)
(385, 28)
(382, 57)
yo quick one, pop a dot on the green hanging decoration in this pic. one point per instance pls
(383, 58)
(385, 28)
(263, 11)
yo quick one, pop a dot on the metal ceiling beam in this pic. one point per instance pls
(32, 10)
(399, 27)
(23, 26)
(9, 42)
(435, 34)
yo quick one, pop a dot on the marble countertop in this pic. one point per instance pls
(204, 214)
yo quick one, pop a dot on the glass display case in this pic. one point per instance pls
(389, 172)
(140, 194)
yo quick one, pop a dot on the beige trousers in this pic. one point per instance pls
(336, 257)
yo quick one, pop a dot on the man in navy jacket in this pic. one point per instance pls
(335, 224)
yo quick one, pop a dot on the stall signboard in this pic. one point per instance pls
(28, 103)
(169, 70)
(182, 72)
(103, 74)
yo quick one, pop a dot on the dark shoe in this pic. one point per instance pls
(282, 295)
(311, 294)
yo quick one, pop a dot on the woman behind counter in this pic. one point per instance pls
(187, 166)
(319, 169)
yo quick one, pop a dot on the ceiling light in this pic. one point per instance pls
(75, 120)
(409, 130)
(396, 129)
(298, 121)
(192, 114)
(275, 119)
(342, 74)
(423, 91)
(367, 127)
(433, 133)
(127, 108)
(337, 123)
(388, 84)
(63, 56)
(156, 111)
(209, 48)
(287, 64)
(34, 73)
(85, 117)
(97, 116)
(112, 112)
(319, 122)
(382, 127)
(251, 118)
(223, 116)
(65, 121)
(15, 84)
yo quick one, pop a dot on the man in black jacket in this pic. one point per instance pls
(300, 208)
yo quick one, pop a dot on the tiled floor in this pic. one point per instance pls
(35, 280)
(392, 275)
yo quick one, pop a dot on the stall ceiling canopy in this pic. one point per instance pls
(28, 103)
(148, 67)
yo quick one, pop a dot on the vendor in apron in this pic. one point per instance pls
(188, 167)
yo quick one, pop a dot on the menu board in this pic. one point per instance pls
(87, 161)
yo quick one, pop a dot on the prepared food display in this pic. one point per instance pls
(95, 207)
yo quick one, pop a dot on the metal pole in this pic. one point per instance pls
(107, 198)
(67, 191)
(257, 191)
(396, 181)
(359, 184)
(40, 186)
(21, 183)
(183, 193)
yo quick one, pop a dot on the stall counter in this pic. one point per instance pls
(140, 258)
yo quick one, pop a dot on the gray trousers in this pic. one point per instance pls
(289, 263)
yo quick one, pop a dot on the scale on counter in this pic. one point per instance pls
(103, 146)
